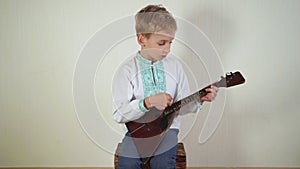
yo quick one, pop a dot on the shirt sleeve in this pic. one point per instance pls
(125, 106)
(183, 91)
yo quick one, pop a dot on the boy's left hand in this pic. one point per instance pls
(211, 94)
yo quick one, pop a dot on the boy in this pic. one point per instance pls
(149, 82)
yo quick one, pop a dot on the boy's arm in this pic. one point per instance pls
(125, 107)
(184, 91)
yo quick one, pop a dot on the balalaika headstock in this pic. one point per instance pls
(231, 79)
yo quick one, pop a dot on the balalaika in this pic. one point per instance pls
(156, 123)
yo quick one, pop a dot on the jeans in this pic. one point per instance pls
(163, 158)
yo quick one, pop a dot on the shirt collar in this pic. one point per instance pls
(146, 61)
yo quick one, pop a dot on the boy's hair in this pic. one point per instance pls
(154, 18)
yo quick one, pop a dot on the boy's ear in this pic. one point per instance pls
(141, 39)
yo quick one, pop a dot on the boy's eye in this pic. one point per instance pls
(161, 43)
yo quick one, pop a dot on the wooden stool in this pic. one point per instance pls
(180, 157)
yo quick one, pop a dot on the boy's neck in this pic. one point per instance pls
(145, 56)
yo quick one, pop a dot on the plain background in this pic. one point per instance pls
(40, 42)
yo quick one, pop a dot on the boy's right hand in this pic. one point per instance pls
(159, 101)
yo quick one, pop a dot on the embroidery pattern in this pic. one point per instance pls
(153, 76)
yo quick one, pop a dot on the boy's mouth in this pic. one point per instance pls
(163, 56)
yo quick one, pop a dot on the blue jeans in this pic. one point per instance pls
(163, 158)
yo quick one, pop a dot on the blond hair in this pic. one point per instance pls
(154, 18)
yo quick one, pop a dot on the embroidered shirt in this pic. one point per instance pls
(139, 78)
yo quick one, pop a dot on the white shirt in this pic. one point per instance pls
(139, 78)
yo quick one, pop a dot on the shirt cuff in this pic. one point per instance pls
(142, 106)
(198, 104)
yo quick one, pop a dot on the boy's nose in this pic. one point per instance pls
(167, 49)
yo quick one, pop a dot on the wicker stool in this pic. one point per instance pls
(180, 157)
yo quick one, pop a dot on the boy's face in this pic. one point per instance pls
(156, 46)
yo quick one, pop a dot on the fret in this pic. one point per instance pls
(177, 105)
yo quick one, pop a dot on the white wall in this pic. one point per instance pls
(42, 40)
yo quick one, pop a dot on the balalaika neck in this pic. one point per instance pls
(180, 103)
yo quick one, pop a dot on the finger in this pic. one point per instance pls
(215, 89)
(210, 94)
(209, 97)
(160, 107)
(209, 90)
(203, 99)
(168, 99)
(169, 96)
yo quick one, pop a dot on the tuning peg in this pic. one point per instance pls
(229, 74)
